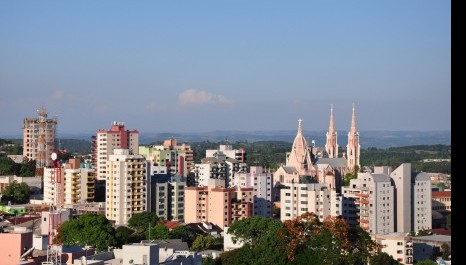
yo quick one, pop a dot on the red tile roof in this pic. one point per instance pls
(441, 231)
(171, 224)
(438, 194)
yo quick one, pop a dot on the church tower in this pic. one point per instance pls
(353, 147)
(331, 147)
(300, 155)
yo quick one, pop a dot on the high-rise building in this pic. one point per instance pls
(106, 141)
(166, 197)
(39, 139)
(126, 186)
(421, 208)
(261, 182)
(78, 183)
(353, 147)
(369, 202)
(218, 205)
(299, 198)
(218, 166)
(169, 158)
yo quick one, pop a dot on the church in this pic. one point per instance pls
(305, 164)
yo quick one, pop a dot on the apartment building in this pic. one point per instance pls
(218, 205)
(166, 197)
(39, 138)
(227, 149)
(126, 186)
(398, 245)
(421, 217)
(169, 158)
(218, 166)
(299, 198)
(106, 141)
(78, 183)
(261, 182)
(369, 202)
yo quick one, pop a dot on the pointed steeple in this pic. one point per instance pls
(353, 122)
(353, 147)
(299, 157)
(331, 127)
(331, 146)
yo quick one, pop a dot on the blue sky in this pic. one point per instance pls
(193, 66)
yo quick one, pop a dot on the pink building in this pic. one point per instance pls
(218, 205)
(13, 245)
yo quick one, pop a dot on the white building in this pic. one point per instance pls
(262, 184)
(227, 149)
(126, 186)
(299, 198)
(368, 200)
(398, 245)
(422, 203)
(106, 141)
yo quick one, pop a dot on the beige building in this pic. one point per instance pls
(169, 158)
(78, 184)
(441, 201)
(125, 186)
(299, 198)
(39, 138)
(218, 205)
(106, 141)
(398, 245)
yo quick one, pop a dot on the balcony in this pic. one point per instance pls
(364, 221)
(363, 195)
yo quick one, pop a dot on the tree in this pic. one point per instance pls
(183, 233)
(159, 231)
(88, 229)
(446, 251)
(383, 258)
(141, 221)
(16, 193)
(202, 242)
(125, 235)
(426, 262)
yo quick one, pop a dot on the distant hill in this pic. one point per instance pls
(378, 139)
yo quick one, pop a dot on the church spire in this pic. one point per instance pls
(331, 146)
(353, 122)
(331, 127)
(353, 147)
(300, 129)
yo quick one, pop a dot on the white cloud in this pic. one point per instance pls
(195, 97)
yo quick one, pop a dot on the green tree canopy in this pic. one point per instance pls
(88, 229)
(383, 258)
(16, 193)
(158, 231)
(426, 262)
(202, 242)
(141, 221)
(183, 233)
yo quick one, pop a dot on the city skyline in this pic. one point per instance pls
(206, 66)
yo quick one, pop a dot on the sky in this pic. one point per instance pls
(195, 66)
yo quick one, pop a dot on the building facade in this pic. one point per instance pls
(227, 149)
(421, 202)
(106, 141)
(39, 138)
(441, 201)
(261, 182)
(369, 202)
(166, 197)
(398, 245)
(126, 186)
(299, 198)
(218, 205)
(169, 158)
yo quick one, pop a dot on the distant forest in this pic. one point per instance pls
(271, 154)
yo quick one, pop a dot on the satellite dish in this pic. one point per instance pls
(54, 156)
